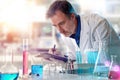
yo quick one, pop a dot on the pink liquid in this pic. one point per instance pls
(114, 75)
(25, 62)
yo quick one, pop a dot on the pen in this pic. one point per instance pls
(53, 50)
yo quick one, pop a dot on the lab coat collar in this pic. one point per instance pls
(76, 36)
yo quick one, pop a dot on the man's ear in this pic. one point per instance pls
(73, 16)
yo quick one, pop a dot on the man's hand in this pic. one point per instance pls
(55, 52)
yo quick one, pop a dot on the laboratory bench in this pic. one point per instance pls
(55, 76)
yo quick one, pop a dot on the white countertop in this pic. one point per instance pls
(60, 76)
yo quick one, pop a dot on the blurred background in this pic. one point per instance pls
(26, 18)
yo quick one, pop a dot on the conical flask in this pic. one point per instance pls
(114, 72)
(8, 71)
(101, 68)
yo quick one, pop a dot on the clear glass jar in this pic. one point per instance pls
(8, 71)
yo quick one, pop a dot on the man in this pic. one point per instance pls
(87, 30)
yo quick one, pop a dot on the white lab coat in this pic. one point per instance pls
(94, 29)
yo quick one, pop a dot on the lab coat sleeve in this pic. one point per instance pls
(101, 33)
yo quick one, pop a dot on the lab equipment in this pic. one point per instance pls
(70, 67)
(25, 56)
(114, 72)
(91, 55)
(78, 57)
(37, 70)
(91, 58)
(8, 71)
(101, 68)
(36, 67)
(84, 68)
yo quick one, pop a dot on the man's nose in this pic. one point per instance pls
(60, 29)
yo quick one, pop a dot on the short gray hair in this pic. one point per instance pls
(60, 5)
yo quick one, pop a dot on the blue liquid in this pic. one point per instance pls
(9, 76)
(92, 56)
(85, 71)
(37, 69)
(78, 57)
(101, 71)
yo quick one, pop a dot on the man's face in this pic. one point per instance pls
(65, 25)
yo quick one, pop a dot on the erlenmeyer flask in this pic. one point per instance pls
(8, 71)
(114, 72)
(101, 68)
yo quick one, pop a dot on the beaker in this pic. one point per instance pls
(101, 68)
(8, 71)
(91, 59)
(114, 72)
(78, 57)
(36, 67)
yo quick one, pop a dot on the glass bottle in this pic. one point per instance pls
(114, 72)
(101, 67)
(8, 71)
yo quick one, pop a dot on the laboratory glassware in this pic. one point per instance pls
(101, 68)
(114, 72)
(78, 57)
(8, 71)
(91, 55)
(25, 56)
(36, 66)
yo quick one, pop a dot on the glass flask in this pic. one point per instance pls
(114, 72)
(8, 71)
(101, 67)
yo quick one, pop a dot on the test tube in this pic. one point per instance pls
(25, 56)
